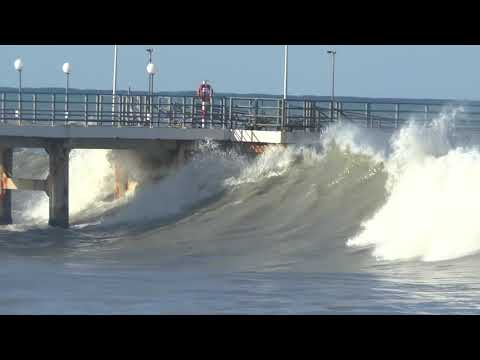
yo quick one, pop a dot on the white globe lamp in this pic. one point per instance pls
(18, 64)
(151, 69)
(67, 68)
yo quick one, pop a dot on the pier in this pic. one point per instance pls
(171, 126)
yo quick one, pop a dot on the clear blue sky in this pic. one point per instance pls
(377, 71)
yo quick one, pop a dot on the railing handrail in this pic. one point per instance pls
(159, 109)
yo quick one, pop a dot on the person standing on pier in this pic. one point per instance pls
(205, 92)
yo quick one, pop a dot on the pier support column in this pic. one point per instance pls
(181, 154)
(58, 185)
(6, 165)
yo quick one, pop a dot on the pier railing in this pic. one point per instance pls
(96, 109)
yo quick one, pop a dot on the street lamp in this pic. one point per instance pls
(19, 67)
(18, 64)
(151, 70)
(333, 53)
(67, 68)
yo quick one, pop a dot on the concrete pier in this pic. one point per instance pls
(58, 184)
(145, 151)
(6, 165)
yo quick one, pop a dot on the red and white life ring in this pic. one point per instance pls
(205, 92)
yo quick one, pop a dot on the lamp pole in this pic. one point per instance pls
(67, 68)
(114, 87)
(333, 53)
(150, 75)
(151, 70)
(285, 87)
(18, 64)
(285, 74)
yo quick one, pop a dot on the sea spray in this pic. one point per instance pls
(91, 180)
(210, 173)
(433, 202)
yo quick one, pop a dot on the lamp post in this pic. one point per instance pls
(67, 68)
(151, 70)
(114, 87)
(333, 53)
(18, 64)
(285, 87)
(150, 77)
(285, 74)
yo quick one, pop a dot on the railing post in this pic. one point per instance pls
(126, 104)
(379, 122)
(279, 113)
(331, 110)
(97, 108)
(85, 98)
(101, 110)
(53, 109)
(250, 117)
(212, 109)
(123, 110)
(184, 110)
(284, 113)
(223, 112)
(118, 114)
(34, 120)
(230, 115)
(3, 107)
(397, 111)
(174, 112)
(426, 113)
(171, 111)
(193, 111)
(128, 110)
(255, 114)
(367, 114)
(307, 114)
(304, 120)
(142, 120)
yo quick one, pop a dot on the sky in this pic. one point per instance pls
(420, 71)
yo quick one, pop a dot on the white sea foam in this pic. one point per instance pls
(434, 198)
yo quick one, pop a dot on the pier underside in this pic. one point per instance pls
(151, 148)
(153, 154)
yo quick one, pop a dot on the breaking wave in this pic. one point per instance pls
(405, 195)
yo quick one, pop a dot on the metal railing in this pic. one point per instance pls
(96, 109)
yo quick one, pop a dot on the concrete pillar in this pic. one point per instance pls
(6, 165)
(121, 180)
(181, 154)
(58, 185)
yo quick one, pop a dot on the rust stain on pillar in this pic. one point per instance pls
(6, 165)
(121, 181)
